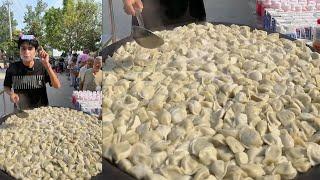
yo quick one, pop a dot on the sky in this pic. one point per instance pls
(18, 7)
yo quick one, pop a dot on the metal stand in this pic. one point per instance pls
(4, 103)
(113, 25)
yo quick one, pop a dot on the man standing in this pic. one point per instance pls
(92, 80)
(88, 64)
(25, 81)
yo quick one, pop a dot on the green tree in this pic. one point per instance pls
(74, 27)
(89, 24)
(10, 47)
(69, 26)
(33, 19)
(53, 28)
(4, 25)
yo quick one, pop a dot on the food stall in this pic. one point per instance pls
(228, 102)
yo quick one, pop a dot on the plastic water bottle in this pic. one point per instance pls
(316, 37)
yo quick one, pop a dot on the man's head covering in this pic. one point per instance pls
(84, 57)
(31, 39)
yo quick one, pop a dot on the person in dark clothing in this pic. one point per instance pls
(25, 80)
(158, 14)
(61, 64)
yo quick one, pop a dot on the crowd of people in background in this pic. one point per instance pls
(83, 71)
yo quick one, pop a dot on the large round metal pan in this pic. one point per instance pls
(109, 50)
(110, 169)
(6, 176)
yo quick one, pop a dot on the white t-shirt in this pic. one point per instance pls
(69, 60)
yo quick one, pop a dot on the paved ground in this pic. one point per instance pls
(61, 97)
(57, 97)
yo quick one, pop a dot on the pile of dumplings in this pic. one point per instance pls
(213, 102)
(52, 143)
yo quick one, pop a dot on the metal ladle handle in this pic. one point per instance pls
(139, 17)
(21, 113)
(17, 107)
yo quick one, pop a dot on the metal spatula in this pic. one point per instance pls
(143, 36)
(20, 113)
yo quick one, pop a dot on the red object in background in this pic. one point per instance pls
(316, 37)
(259, 7)
(316, 46)
(73, 100)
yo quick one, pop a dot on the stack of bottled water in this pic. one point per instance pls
(88, 101)
(288, 5)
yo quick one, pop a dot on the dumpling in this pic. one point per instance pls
(177, 133)
(173, 172)
(202, 173)
(313, 153)
(194, 107)
(302, 164)
(272, 154)
(272, 139)
(158, 158)
(131, 136)
(147, 92)
(219, 168)
(253, 170)
(262, 127)
(121, 150)
(207, 155)
(218, 140)
(234, 144)
(178, 114)
(134, 122)
(125, 164)
(141, 171)
(224, 153)
(155, 177)
(253, 153)
(250, 137)
(286, 139)
(307, 128)
(164, 117)
(241, 158)
(189, 165)
(255, 75)
(163, 131)
(140, 148)
(156, 103)
(177, 156)
(199, 144)
(139, 159)
(286, 170)
(285, 117)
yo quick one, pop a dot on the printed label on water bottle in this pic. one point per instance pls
(308, 32)
(317, 34)
(302, 33)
